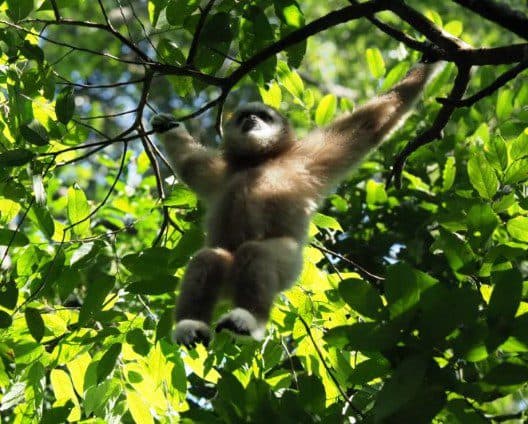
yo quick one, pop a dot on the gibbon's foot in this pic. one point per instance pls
(240, 321)
(189, 332)
(163, 122)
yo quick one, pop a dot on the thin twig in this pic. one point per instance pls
(198, 33)
(327, 367)
(435, 130)
(502, 80)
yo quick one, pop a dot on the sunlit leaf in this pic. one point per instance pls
(375, 62)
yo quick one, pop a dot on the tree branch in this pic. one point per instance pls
(490, 89)
(435, 130)
(198, 32)
(500, 13)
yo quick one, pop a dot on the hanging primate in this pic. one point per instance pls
(260, 189)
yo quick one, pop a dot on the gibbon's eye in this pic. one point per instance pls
(265, 116)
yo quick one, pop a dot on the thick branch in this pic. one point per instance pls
(332, 19)
(500, 13)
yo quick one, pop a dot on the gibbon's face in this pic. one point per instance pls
(256, 131)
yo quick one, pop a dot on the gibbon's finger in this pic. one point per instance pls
(163, 122)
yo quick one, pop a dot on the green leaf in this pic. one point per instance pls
(8, 294)
(505, 297)
(507, 374)
(98, 288)
(364, 336)
(65, 105)
(375, 63)
(311, 393)
(449, 173)
(517, 172)
(454, 27)
(35, 133)
(292, 18)
(504, 104)
(58, 414)
(139, 342)
(272, 95)
(19, 9)
(290, 80)
(15, 157)
(150, 262)
(32, 51)
(482, 176)
(481, 222)
(161, 284)
(97, 397)
(376, 193)
(518, 228)
(108, 361)
(369, 370)
(164, 325)
(155, 8)
(519, 146)
(326, 110)
(395, 75)
(256, 33)
(16, 238)
(138, 409)
(403, 286)
(181, 196)
(401, 388)
(178, 10)
(443, 309)
(326, 222)
(41, 216)
(362, 298)
(459, 254)
(35, 323)
(5, 320)
(496, 153)
(169, 52)
(78, 210)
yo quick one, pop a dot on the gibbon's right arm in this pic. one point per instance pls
(201, 168)
(331, 151)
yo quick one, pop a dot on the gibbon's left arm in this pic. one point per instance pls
(331, 151)
(201, 168)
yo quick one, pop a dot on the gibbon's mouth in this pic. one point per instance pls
(249, 123)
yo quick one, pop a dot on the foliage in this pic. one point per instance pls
(413, 302)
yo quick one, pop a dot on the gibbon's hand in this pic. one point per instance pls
(163, 122)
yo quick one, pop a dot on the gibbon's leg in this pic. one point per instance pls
(261, 269)
(199, 293)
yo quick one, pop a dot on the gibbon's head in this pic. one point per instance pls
(256, 132)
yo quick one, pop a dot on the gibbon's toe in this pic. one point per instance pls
(240, 321)
(189, 332)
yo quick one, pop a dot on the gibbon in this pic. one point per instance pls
(260, 190)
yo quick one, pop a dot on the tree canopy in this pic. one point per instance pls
(413, 302)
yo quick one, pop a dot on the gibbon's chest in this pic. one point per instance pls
(257, 204)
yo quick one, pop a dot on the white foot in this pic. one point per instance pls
(189, 332)
(241, 321)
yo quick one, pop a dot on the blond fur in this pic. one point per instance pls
(260, 201)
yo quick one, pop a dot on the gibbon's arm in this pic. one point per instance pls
(202, 169)
(331, 151)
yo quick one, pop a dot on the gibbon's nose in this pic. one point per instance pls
(249, 122)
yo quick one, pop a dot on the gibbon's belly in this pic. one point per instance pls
(255, 207)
